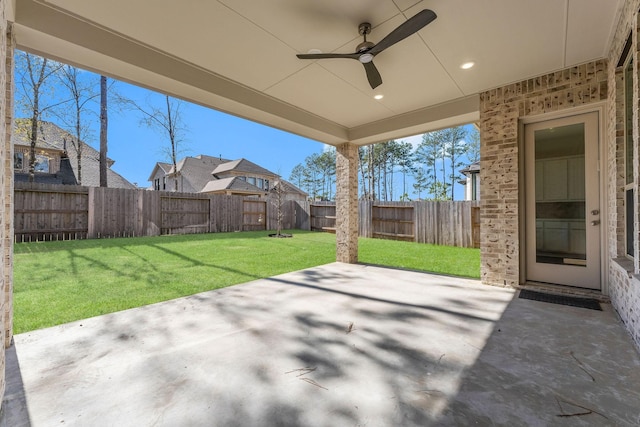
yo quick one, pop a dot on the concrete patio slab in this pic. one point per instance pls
(335, 345)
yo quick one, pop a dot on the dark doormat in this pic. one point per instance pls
(589, 303)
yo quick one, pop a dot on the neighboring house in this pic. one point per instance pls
(291, 192)
(234, 185)
(248, 171)
(215, 175)
(190, 176)
(57, 158)
(471, 182)
(159, 176)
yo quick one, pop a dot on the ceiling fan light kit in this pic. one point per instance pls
(366, 51)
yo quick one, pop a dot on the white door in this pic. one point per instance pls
(563, 201)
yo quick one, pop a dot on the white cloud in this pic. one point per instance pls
(413, 140)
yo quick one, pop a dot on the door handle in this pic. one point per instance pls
(595, 212)
(596, 222)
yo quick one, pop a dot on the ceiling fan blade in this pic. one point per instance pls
(372, 75)
(327, 55)
(404, 30)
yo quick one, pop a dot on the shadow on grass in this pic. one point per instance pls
(35, 247)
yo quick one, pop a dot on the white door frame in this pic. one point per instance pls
(600, 108)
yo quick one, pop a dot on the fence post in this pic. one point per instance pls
(91, 212)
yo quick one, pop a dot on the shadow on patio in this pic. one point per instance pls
(333, 345)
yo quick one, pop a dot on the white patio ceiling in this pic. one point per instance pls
(238, 56)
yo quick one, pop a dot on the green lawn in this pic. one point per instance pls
(58, 282)
(417, 256)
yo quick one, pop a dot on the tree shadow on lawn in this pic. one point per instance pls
(118, 242)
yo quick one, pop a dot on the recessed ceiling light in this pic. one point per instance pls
(467, 65)
(378, 96)
(314, 51)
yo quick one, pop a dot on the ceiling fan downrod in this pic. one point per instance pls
(363, 30)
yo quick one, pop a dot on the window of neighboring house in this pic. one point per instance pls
(164, 182)
(266, 185)
(244, 178)
(629, 188)
(251, 180)
(42, 163)
(156, 184)
(18, 161)
(260, 183)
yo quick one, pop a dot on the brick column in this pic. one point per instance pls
(6, 184)
(8, 189)
(347, 203)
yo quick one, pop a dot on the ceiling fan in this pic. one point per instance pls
(366, 50)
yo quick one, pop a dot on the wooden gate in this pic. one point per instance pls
(254, 215)
(323, 217)
(184, 214)
(394, 222)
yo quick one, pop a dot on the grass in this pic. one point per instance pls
(449, 260)
(59, 282)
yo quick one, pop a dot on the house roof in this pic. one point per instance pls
(243, 166)
(197, 170)
(52, 137)
(328, 100)
(164, 167)
(472, 168)
(288, 187)
(234, 184)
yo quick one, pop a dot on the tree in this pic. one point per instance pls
(421, 181)
(165, 119)
(439, 190)
(393, 154)
(325, 164)
(473, 145)
(103, 131)
(35, 95)
(372, 172)
(297, 176)
(455, 149)
(429, 154)
(82, 92)
(405, 162)
(277, 200)
(362, 162)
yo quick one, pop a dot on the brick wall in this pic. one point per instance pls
(624, 291)
(624, 282)
(500, 110)
(5, 189)
(8, 190)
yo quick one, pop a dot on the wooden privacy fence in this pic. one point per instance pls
(50, 212)
(440, 223)
(61, 212)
